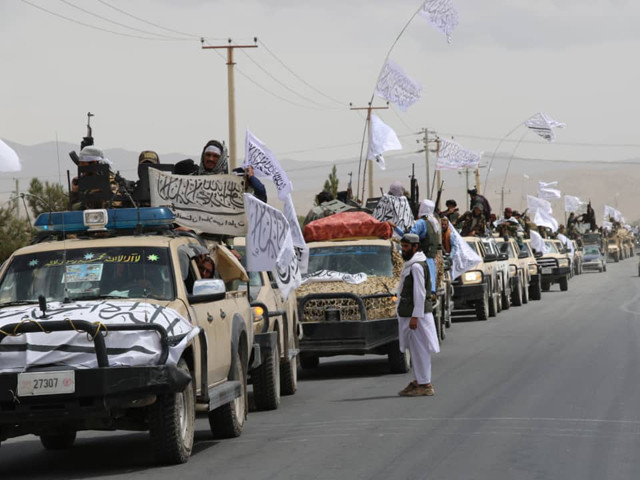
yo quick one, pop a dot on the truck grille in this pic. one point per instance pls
(547, 262)
(380, 307)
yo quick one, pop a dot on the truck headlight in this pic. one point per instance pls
(563, 263)
(471, 278)
(533, 269)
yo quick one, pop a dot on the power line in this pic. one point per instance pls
(564, 144)
(130, 15)
(265, 88)
(94, 27)
(88, 12)
(344, 104)
(279, 82)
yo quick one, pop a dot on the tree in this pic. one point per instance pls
(331, 184)
(47, 197)
(14, 232)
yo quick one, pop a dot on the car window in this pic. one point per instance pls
(551, 247)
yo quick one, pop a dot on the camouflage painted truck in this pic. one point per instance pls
(106, 324)
(341, 317)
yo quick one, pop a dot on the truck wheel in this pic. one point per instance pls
(227, 420)
(309, 361)
(516, 295)
(546, 286)
(535, 291)
(482, 307)
(398, 362)
(441, 328)
(525, 293)
(266, 382)
(172, 421)
(58, 441)
(564, 284)
(616, 258)
(506, 300)
(493, 304)
(289, 376)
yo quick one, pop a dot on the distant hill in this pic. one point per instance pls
(602, 183)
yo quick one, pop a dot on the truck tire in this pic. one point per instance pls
(546, 286)
(482, 307)
(493, 303)
(441, 328)
(58, 441)
(398, 362)
(616, 258)
(309, 361)
(525, 292)
(564, 284)
(172, 420)
(516, 295)
(535, 291)
(266, 382)
(289, 376)
(506, 300)
(227, 421)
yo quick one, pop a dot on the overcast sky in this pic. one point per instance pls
(575, 60)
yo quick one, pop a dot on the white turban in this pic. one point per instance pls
(396, 189)
(427, 207)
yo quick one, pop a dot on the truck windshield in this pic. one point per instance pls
(369, 259)
(591, 250)
(551, 247)
(89, 273)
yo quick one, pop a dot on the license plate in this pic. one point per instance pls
(547, 269)
(46, 383)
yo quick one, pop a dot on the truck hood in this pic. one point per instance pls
(76, 349)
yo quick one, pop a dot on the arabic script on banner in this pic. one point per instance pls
(396, 87)
(208, 203)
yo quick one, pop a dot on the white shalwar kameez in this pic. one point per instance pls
(423, 341)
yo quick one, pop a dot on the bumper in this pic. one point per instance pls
(464, 294)
(98, 392)
(555, 274)
(348, 338)
(592, 265)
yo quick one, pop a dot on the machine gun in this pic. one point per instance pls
(86, 141)
(437, 202)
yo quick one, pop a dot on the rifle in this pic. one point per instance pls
(414, 191)
(437, 209)
(86, 141)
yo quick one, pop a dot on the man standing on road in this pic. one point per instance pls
(416, 327)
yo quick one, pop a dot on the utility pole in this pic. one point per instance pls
(502, 192)
(17, 201)
(370, 162)
(478, 179)
(231, 94)
(425, 141)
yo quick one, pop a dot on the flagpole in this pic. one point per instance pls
(374, 93)
(486, 178)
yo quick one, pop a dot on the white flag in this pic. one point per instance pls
(537, 243)
(607, 225)
(396, 87)
(465, 259)
(534, 204)
(382, 138)
(302, 251)
(547, 184)
(543, 125)
(544, 218)
(9, 161)
(264, 163)
(610, 213)
(574, 204)
(442, 14)
(549, 193)
(452, 156)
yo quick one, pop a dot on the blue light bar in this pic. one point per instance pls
(119, 219)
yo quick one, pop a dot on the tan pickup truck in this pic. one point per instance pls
(124, 333)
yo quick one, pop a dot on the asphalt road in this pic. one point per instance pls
(545, 391)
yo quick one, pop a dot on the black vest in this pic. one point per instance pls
(405, 305)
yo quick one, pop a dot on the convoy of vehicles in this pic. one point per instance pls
(107, 324)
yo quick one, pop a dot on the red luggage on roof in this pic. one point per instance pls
(346, 225)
